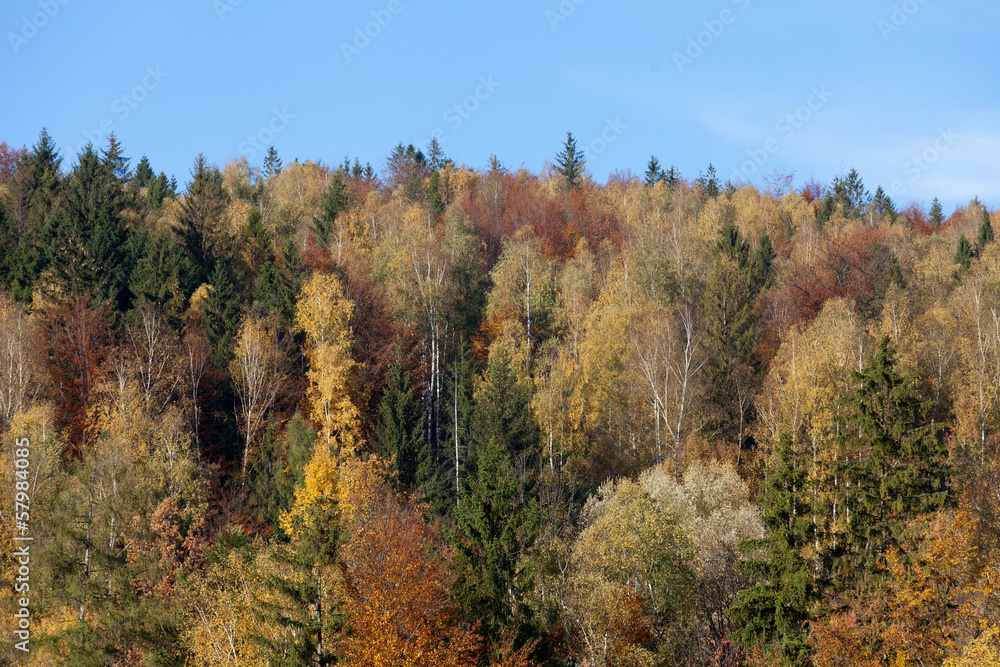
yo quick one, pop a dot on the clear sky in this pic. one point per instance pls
(905, 91)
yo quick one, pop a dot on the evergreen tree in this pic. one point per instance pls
(143, 173)
(654, 173)
(84, 238)
(278, 282)
(884, 206)
(201, 211)
(985, 232)
(503, 411)
(222, 316)
(400, 427)
(776, 608)
(936, 216)
(850, 193)
(495, 531)
(406, 169)
(436, 159)
(709, 182)
(964, 253)
(571, 163)
(272, 163)
(456, 424)
(162, 274)
(893, 465)
(734, 330)
(827, 210)
(335, 201)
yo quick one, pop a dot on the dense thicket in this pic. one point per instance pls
(313, 414)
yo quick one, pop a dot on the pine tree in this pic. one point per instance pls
(571, 163)
(436, 159)
(827, 210)
(776, 608)
(400, 427)
(893, 464)
(850, 193)
(503, 411)
(884, 206)
(222, 316)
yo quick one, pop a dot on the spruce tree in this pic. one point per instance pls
(272, 163)
(775, 609)
(143, 173)
(985, 232)
(503, 411)
(892, 466)
(496, 529)
(936, 216)
(222, 316)
(335, 201)
(201, 212)
(654, 173)
(709, 182)
(571, 163)
(964, 253)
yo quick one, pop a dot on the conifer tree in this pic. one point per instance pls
(964, 253)
(203, 206)
(936, 216)
(496, 528)
(893, 465)
(571, 163)
(776, 608)
(335, 200)
(985, 232)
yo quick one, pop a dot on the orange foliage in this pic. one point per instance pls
(398, 591)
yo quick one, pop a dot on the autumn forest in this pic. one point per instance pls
(403, 412)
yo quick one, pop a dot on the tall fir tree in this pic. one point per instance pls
(201, 212)
(335, 201)
(964, 253)
(936, 216)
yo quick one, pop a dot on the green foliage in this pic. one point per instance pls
(776, 608)
(496, 528)
(202, 209)
(893, 464)
(936, 216)
(222, 316)
(964, 253)
(986, 235)
(163, 274)
(709, 182)
(571, 163)
(503, 413)
(335, 201)
(401, 437)
(850, 194)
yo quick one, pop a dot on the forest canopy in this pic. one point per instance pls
(422, 414)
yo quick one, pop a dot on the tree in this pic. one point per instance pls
(524, 284)
(258, 370)
(570, 163)
(335, 201)
(893, 465)
(272, 163)
(85, 238)
(496, 528)
(985, 232)
(143, 173)
(964, 253)
(222, 313)
(400, 428)
(775, 609)
(850, 193)
(398, 590)
(709, 182)
(405, 169)
(503, 412)
(654, 173)
(201, 212)
(936, 217)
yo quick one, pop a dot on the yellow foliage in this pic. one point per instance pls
(984, 651)
(323, 312)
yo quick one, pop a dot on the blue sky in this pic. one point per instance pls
(903, 91)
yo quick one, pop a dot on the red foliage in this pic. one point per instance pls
(915, 217)
(8, 161)
(856, 266)
(812, 191)
(77, 343)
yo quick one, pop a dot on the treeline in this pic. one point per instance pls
(307, 413)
